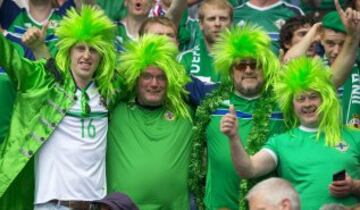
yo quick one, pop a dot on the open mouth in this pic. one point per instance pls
(138, 6)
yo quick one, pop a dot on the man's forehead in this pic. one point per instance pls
(326, 32)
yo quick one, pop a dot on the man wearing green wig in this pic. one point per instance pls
(59, 125)
(247, 68)
(149, 138)
(315, 148)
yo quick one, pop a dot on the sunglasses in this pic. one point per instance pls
(243, 65)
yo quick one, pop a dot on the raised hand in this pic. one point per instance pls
(350, 19)
(229, 123)
(35, 37)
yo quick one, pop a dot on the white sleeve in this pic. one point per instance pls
(272, 154)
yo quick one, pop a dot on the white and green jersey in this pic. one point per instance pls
(308, 164)
(199, 63)
(148, 156)
(71, 164)
(271, 18)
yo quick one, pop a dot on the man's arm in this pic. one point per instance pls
(176, 10)
(344, 62)
(259, 164)
(301, 47)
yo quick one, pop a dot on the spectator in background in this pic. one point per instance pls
(269, 14)
(137, 12)
(17, 19)
(336, 38)
(294, 30)
(214, 17)
(273, 194)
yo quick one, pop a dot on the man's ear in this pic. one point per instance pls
(285, 204)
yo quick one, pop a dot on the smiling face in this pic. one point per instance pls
(151, 87)
(305, 108)
(139, 7)
(248, 77)
(84, 62)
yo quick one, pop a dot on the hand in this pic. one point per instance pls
(35, 37)
(342, 188)
(350, 19)
(229, 123)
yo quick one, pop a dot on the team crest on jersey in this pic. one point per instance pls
(342, 146)
(355, 121)
(169, 116)
(280, 22)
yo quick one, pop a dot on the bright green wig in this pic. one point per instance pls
(239, 43)
(90, 26)
(157, 51)
(305, 74)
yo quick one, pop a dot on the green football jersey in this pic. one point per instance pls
(308, 164)
(271, 18)
(199, 63)
(222, 181)
(350, 99)
(148, 156)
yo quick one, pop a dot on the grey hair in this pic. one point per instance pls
(333, 206)
(275, 190)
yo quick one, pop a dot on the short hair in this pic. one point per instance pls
(276, 190)
(220, 4)
(333, 206)
(162, 20)
(291, 25)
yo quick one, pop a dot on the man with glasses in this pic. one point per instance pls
(247, 68)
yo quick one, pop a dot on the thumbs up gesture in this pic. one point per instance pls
(229, 123)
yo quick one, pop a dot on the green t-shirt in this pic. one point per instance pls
(148, 156)
(200, 63)
(271, 18)
(309, 165)
(222, 181)
(7, 95)
(350, 99)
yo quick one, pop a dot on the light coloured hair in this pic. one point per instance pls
(220, 4)
(334, 206)
(276, 190)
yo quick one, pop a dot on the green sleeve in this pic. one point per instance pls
(7, 95)
(23, 72)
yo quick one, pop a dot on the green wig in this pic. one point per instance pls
(248, 41)
(160, 52)
(305, 74)
(93, 27)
